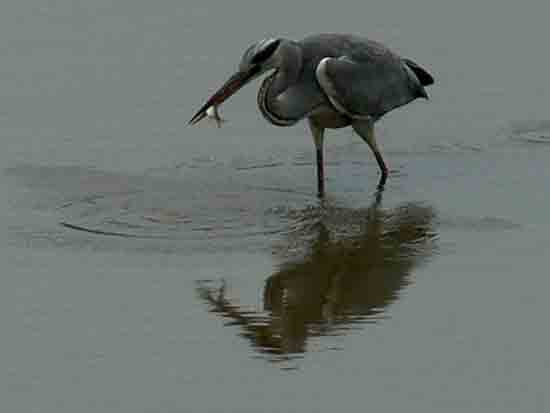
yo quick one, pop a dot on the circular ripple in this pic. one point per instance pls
(213, 203)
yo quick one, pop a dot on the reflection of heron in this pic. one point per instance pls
(350, 266)
(333, 80)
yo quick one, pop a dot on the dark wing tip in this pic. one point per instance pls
(423, 76)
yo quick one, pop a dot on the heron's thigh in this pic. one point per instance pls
(365, 129)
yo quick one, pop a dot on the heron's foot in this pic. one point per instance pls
(382, 180)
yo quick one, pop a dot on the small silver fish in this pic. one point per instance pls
(213, 113)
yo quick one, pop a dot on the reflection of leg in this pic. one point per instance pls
(378, 197)
(318, 134)
(365, 129)
(221, 291)
(332, 299)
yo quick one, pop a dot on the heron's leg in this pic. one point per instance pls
(365, 129)
(318, 135)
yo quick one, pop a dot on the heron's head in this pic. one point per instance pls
(257, 59)
(261, 56)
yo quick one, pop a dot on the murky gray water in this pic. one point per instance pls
(152, 266)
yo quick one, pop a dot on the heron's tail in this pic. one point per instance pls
(423, 76)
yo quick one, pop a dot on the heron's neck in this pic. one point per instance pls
(271, 96)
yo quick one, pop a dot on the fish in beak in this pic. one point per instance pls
(229, 88)
(213, 113)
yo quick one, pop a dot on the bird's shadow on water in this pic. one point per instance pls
(338, 269)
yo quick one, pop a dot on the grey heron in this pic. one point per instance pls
(333, 80)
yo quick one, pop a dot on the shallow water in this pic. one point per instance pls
(148, 265)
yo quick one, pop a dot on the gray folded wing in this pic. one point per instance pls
(368, 83)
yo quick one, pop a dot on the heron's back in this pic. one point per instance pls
(385, 81)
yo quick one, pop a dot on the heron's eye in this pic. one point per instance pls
(265, 53)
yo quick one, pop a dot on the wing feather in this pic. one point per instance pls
(368, 82)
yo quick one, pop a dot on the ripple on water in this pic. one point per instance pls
(216, 204)
(213, 206)
(481, 224)
(533, 131)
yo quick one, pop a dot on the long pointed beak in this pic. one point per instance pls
(229, 88)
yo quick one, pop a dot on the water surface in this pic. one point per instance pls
(152, 266)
